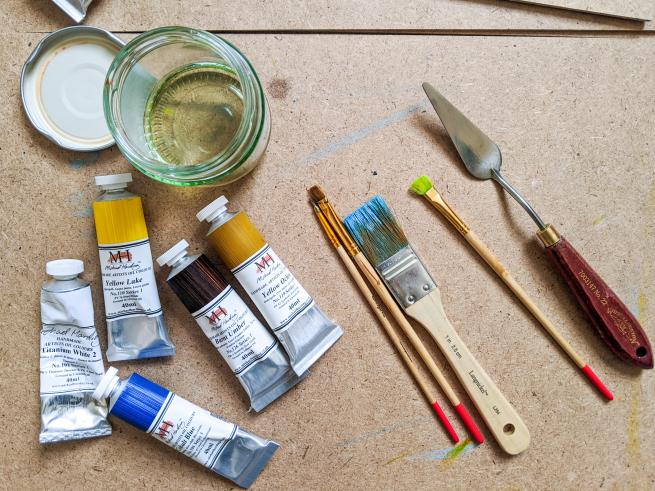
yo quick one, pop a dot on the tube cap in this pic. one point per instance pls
(106, 385)
(213, 209)
(172, 255)
(113, 181)
(64, 268)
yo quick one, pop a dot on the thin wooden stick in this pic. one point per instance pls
(434, 198)
(386, 325)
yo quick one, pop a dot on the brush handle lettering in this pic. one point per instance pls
(500, 417)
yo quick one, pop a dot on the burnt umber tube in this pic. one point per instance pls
(253, 354)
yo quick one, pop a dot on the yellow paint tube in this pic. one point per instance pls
(304, 331)
(135, 323)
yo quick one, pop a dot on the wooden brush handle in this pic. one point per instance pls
(440, 204)
(612, 319)
(527, 302)
(397, 343)
(500, 417)
(398, 315)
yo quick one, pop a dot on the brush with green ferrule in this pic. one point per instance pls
(423, 187)
(380, 237)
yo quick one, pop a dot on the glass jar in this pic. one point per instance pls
(172, 122)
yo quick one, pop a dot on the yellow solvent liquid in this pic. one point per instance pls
(193, 113)
(119, 221)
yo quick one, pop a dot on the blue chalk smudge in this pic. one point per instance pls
(83, 213)
(377, 433)
(90, 159)
(361, 133)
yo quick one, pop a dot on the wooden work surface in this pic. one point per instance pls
(574, 116)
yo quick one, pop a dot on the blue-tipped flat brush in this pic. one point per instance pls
(378, 234)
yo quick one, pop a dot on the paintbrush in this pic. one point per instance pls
(423, 187)
(395, 340)
(380, 237)
(333, 219)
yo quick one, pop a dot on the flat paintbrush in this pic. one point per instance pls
(384, 322)
(423, 187)
(382, 240)
(330, 214)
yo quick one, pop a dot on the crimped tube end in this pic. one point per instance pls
(469, 423)
(444, 421)
(593, 378)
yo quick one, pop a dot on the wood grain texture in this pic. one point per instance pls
(629, 9)
(574, 119)
(318, 15)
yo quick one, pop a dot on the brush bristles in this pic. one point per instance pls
(376, 230)
(421, 186)
(316, 193)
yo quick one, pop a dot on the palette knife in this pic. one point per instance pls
(607, 313)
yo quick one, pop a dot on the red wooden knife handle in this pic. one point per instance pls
(614, 322)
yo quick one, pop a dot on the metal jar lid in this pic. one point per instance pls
(62, 86)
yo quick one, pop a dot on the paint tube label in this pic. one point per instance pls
(128, 280)
(275, 291)
(71, 360)
(191, 430)
(235, 331)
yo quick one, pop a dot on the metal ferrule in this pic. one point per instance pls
(407, 278)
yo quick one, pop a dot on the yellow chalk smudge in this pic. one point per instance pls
(633, 446)
(398, 457)
(599, 220)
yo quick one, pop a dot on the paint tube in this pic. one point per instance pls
(135, 323)
(305, 332)
(75, 9)
(71, 360)
(254, 355)
(222, 447)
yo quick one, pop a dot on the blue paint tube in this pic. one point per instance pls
(220, 446)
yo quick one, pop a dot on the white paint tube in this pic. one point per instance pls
(75, 9)
(71, 359)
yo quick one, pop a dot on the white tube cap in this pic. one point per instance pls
(213, 209)
(113, 181)
(174, 254)
(106, 385)
(64, 268)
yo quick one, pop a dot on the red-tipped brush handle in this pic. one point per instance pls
(469, 423)
(593, 378)
(445, 422)
(611, 318)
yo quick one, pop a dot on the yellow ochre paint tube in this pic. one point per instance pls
(304, 331)
(135, 323)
